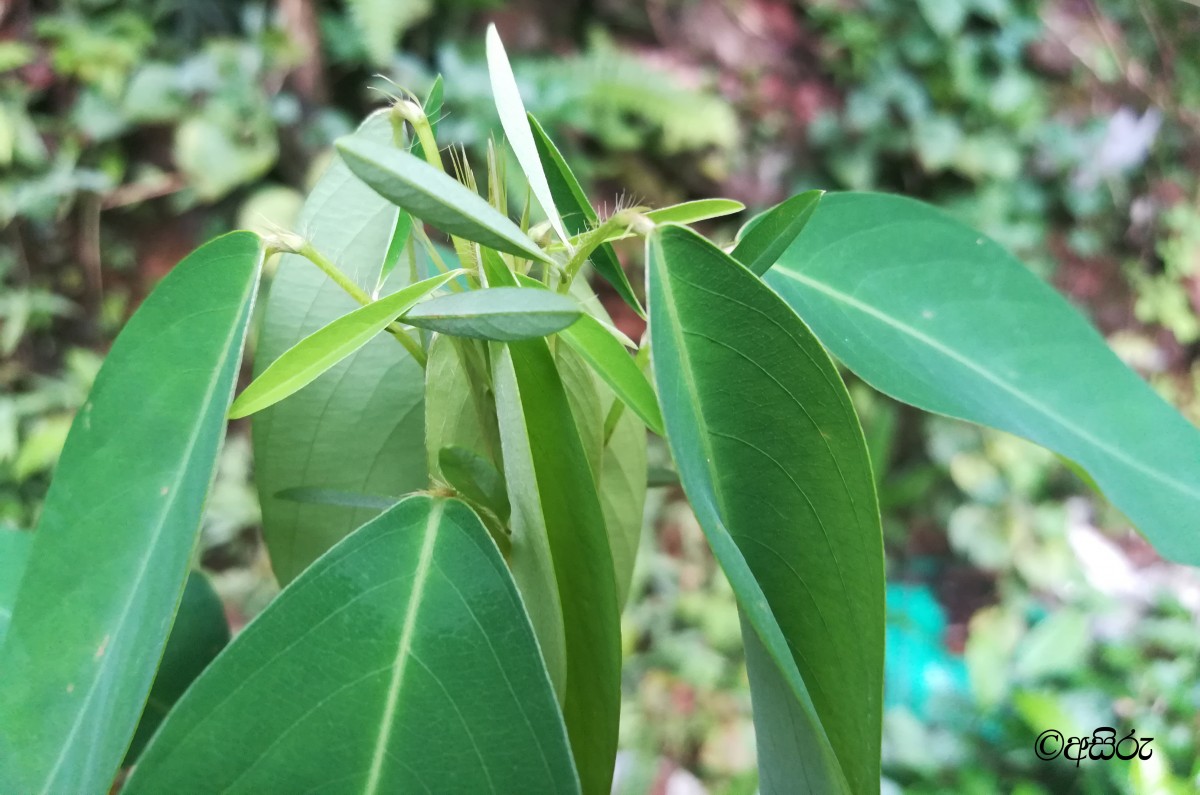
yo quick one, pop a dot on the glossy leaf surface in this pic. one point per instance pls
(433, 196)
(513, 119)
(577, 213)
(126, 499)
(505, 314)
(767, 236)
(359, 427)
(312, 356)
(935, 314)
(401, 662)
(772, 457)
(552, 491)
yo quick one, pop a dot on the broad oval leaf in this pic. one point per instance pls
(772, 457)
(935, 314)
(433, 196)
(199, 633)
(578, 215)
(312, 356)
(767, 236)
(125, 503)
(401, 661)
(365, 414)
(552, 491)
(516, 126)
(505, 314)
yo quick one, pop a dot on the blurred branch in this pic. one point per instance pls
(300, 22)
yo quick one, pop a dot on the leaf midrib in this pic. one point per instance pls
(993, 378)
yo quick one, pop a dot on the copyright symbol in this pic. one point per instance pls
(1049, 744)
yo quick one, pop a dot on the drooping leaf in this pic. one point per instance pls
(772, 458)
(577, 213)
(199, 633)
(935, 314)
(126, 498)
(516, 126)
(314, 355)
(505, 314)
(552, 491)
(591, 340)
(767, 236)
(402, 661)
(476, 478)
(433, 196)
(365, 415)
(14, 553)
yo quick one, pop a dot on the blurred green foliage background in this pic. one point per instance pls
(1067, 129)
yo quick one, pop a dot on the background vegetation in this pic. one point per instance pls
(1067, 129)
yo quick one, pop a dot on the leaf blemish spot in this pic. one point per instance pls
(101, 649)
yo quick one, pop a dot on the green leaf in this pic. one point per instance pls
(396, 248)
(373, 502)
(506, 314)
(431, 195)
(365, 415)
(402, 661)
(475, 478)
(516, 126)
(590, 339)
(552, 491)
(312, 356)
(622, 486)
(935, 314)
(772, 458)
(111, 552)
(14, 553)
(685, 213)
(200, 631)
(767, 236)
(578, 215)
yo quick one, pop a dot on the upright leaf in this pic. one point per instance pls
(111, 552)
(505, 314)
(595, 343)
(767, 236)
(772, 457)
(358, 428)
(622, 486)
(937, 315)
(402, 661)
(552, 490)
(433, 196)
(312, 356)
(513, 119)
(577, 213)
(432, 106)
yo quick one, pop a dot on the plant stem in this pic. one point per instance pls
(310, 253)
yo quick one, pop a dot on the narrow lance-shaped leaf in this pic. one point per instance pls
(315, 354)
(683, 213)
(772, 457)
(402, 661)
(605, 353)
(767, 236)
(126, 500)
(365, 414)
(431, 195)
(578, 215)
(935, 314)
(496, 313)
(513, 119)
(432, 106)
(552, 491)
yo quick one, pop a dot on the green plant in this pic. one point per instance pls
(465, 637)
